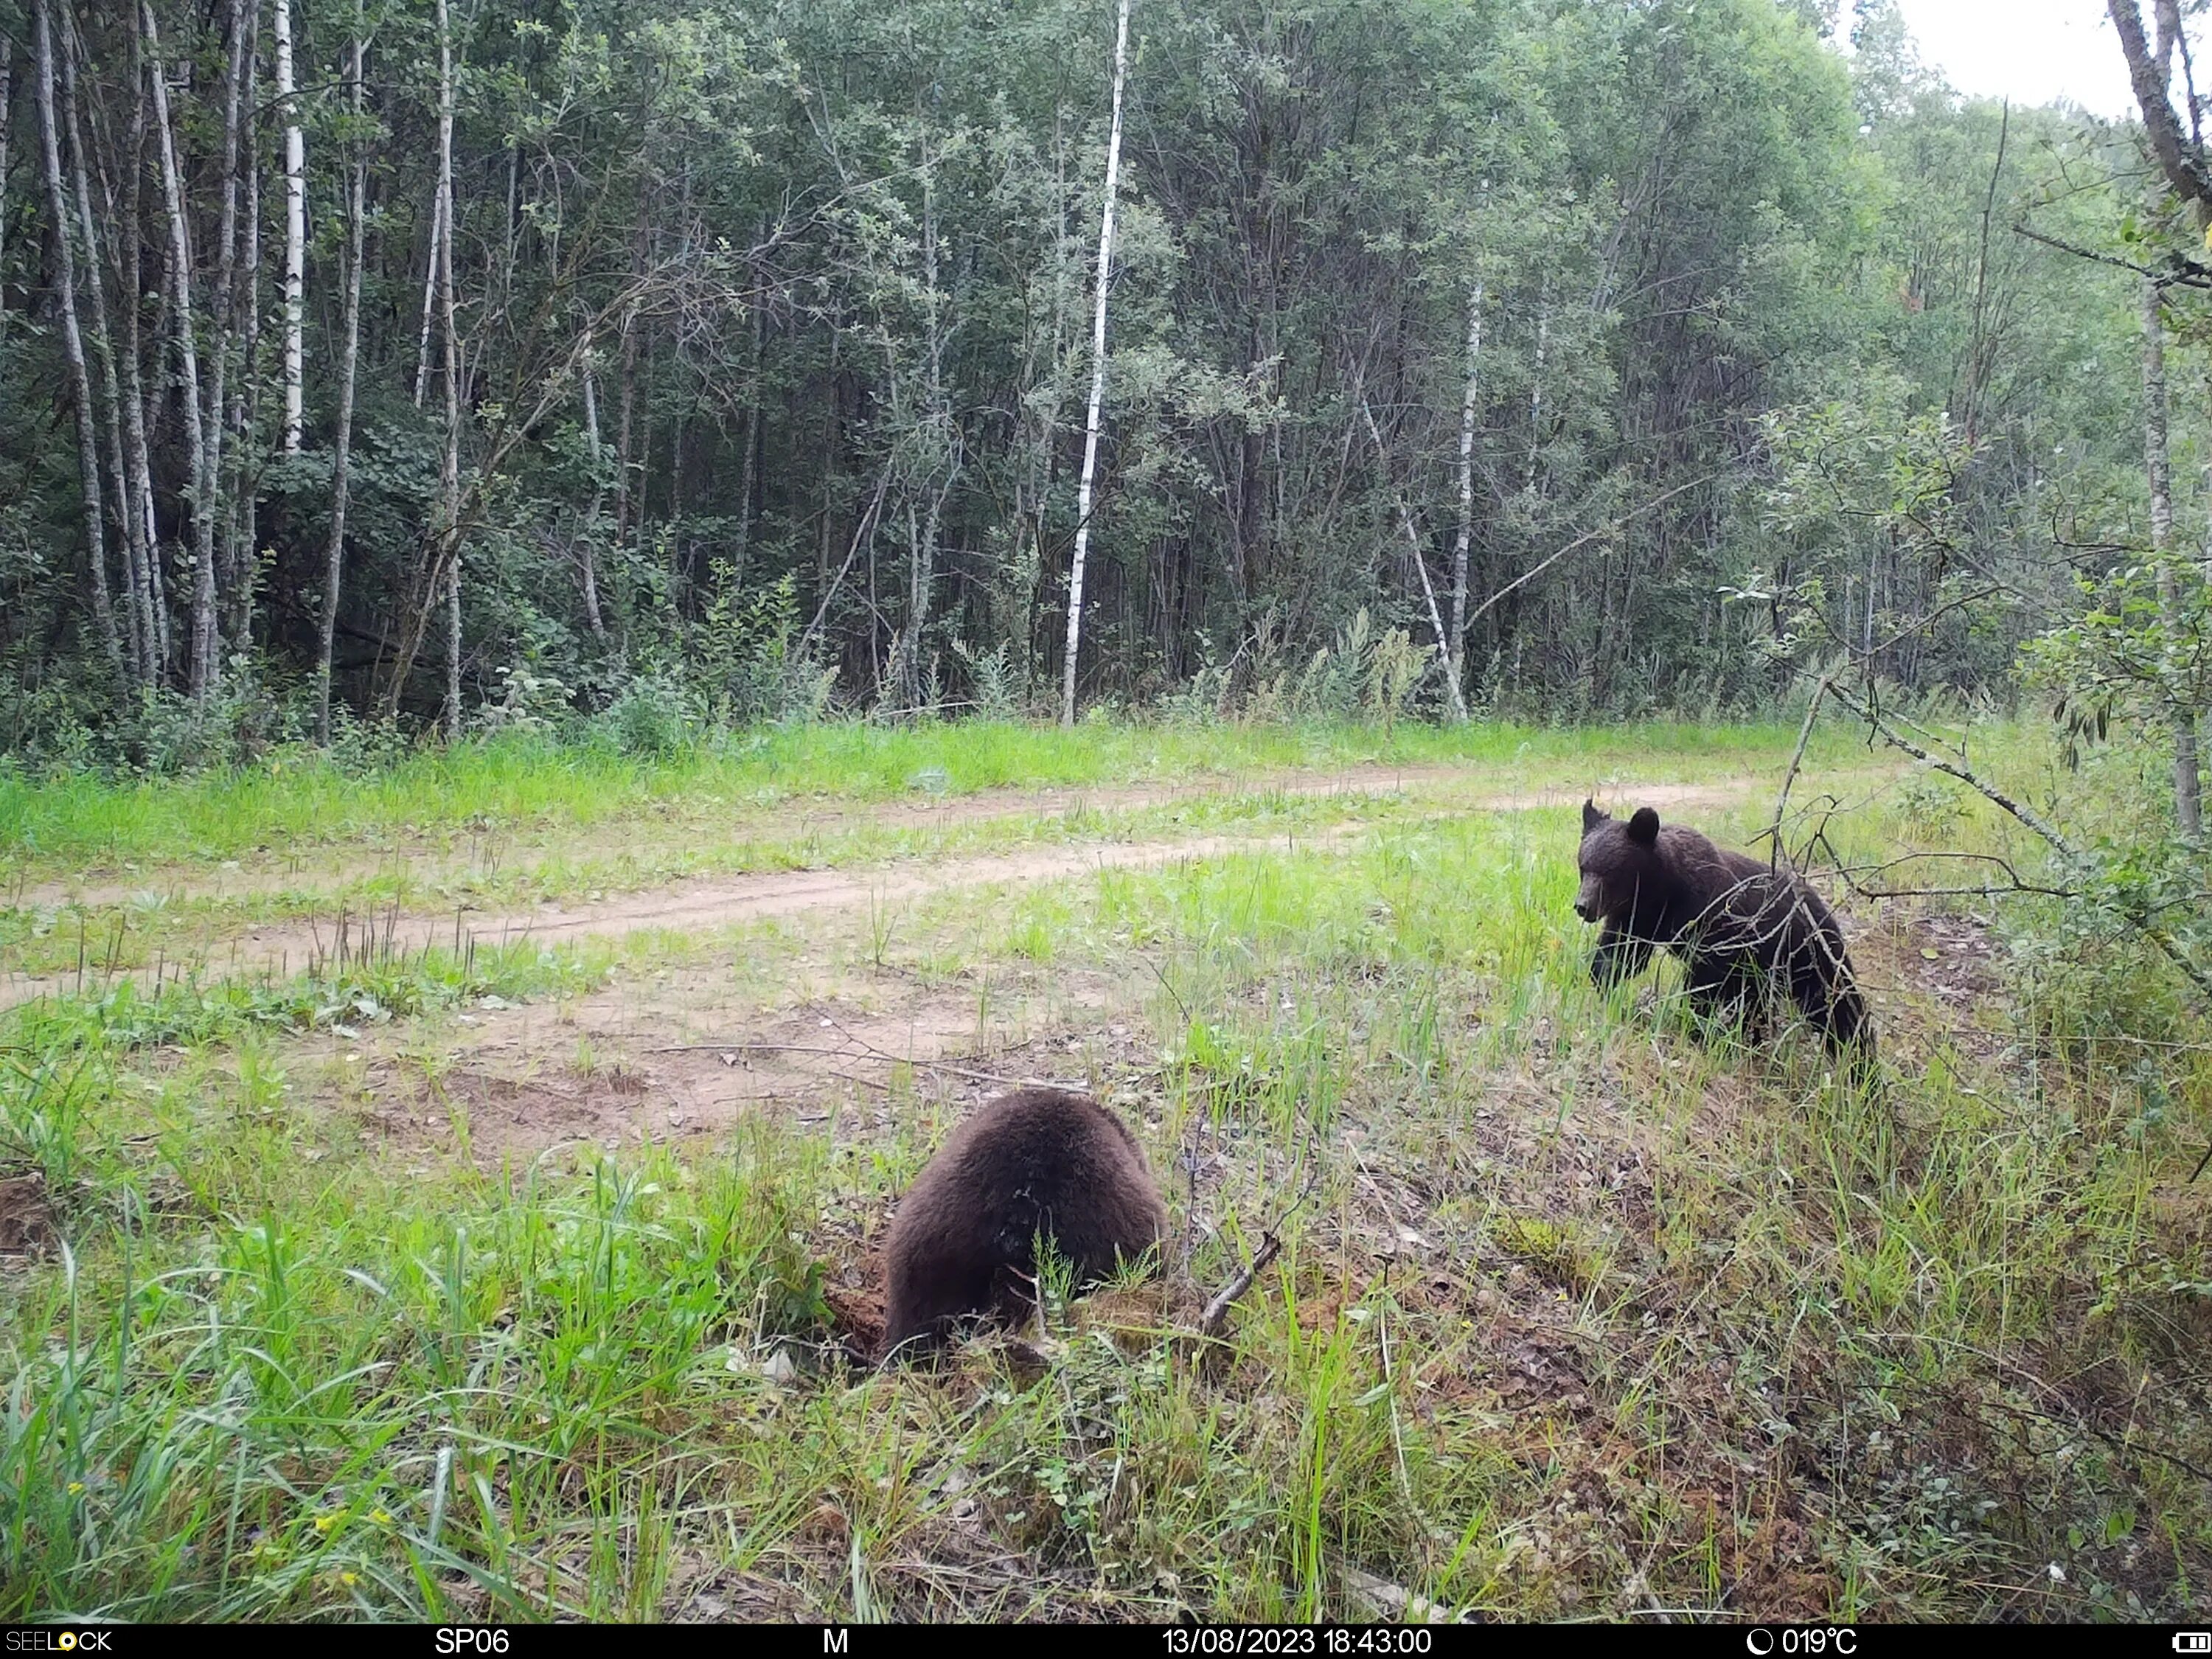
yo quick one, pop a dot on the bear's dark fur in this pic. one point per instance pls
(1749, 932)
(1035, 1162)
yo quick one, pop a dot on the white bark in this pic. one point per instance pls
(449, 469)
(204, 665)
(429, 297)
(7, 113)
(944, 443)
(1456, 655)
(88, 439)
(2188, 797)
(221, 298)
(245, 401)
(341, 441)
(590, 546)
(147, 592)
(295, 230)
(134, 629)
(1420, 560)
(1083, 498)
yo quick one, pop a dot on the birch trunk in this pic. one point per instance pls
(2188, 798)
(449, 466)
(429, 297)
(103, 349)
(87, 437)
(591, 552)
(749, 480)
(1456, 654)
(7, 116)
(625, 414)
(944, 441)
(349, 363)
(146, 593)
(204, 665)
(222, 305)
(246, 402)
(295, 229)
(1421, 559)
(1083, 498)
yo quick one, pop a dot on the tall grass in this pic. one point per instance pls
(296, 799)
(1582, 1312)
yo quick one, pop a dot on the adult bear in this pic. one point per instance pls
(1746, 930)
(1037, 1162)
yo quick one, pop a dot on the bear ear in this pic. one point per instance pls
(1644, 828)
(1591, 817)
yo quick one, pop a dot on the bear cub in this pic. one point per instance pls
(1035, 1162)
(1748, 932)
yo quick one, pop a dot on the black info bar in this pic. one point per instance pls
(87, 1637)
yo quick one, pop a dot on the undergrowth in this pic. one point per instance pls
(1582, 1311)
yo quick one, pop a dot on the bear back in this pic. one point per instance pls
(1038, 1161)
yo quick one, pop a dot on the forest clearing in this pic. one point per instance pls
(1370, 810)
(541, 1279)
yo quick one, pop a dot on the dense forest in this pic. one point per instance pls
(450, 362)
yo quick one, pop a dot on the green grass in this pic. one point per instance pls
(295, 801)
(1578, 1315)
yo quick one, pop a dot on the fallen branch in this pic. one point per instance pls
(1790, 778)
(1530, 575)
(1215, 1320)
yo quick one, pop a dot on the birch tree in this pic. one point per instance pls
(205, 665)
(1084, 498)
(1456, 664)
(449, 464)
(2188, 802)
(296, 224)
(87, 442)
(136, 627)
(7, 130)
(348, 364)
(222, 308)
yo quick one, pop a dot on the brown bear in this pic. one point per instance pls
(1748, 932)
(1035, 1162)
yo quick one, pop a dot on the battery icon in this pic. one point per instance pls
(2192, 1641)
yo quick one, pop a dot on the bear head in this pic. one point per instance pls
(1619, 862)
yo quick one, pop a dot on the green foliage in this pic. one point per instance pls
(724, 461)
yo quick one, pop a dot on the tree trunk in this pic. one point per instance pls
(945, 442)
(749, 479)
(88, 439)
(590, 543)
(1083, 500)
(205, 666)
(2188, 801)
(7, 116)
(1420, 560)
(349, 363)
(147, 593)
(246, 402)
(449, 466)
(103, 348)
(222, 308)
(429, 297)
(625, 414)
(1456, 654)
(295, 231)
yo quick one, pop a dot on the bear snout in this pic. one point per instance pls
(1586, 900)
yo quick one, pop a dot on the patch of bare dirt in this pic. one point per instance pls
(667, 1057)
(27, 1219)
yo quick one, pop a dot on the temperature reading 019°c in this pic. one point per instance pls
(1803, 1641)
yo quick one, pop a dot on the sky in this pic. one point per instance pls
(2031, 50)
